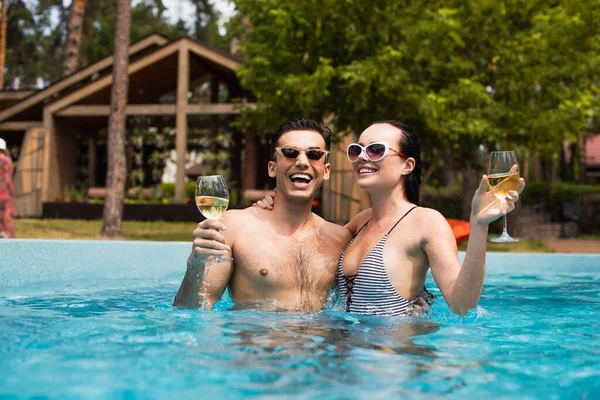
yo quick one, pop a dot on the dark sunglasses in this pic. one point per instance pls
(293, 153)
(376, 151)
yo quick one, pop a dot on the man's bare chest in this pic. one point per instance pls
(286, 261)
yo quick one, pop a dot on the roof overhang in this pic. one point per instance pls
(36, 97)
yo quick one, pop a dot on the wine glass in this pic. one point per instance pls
(503, 176)
(212, 199)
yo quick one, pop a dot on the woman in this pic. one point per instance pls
(384, 267)
(7, 208)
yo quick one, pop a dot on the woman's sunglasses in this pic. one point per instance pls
(293, 153)
(376, 151)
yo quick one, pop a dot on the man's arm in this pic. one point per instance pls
(210, 239)
(359, 221)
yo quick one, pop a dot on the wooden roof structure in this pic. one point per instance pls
(157, 68)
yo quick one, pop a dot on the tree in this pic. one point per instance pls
(73, 40)
(21, 65)
(37, 33)
(206, 25)
(462, 72)
(2, 43)
(116, 166)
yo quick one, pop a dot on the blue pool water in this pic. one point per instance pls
(94, 320)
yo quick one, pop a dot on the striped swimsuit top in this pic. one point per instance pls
(370, 290)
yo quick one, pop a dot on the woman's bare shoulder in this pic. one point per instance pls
(431, 223)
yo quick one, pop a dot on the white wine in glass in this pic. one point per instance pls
(503, 176)
(211, 207)
(212, 199)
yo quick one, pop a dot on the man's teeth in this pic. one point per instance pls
(366, 170)
(305, 177)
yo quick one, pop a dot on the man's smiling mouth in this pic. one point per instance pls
(300, 179)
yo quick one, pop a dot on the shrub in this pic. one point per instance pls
(169, 190)
(566, 192)
(589, 217)
(536, 193)
(446, 200)
(190, 190)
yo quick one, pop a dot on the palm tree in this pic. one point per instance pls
(116, 168)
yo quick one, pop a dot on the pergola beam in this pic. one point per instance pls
(104, 110)
(78, 76)
(214, 109)
(19, 125)
(15, 95)
(151, 109)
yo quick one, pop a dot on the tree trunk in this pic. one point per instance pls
(73, 40)
(582, 158)
(450, 168)
(470, 184)
(12, 79)
(116, 168)
(435, 158)
(2, 44)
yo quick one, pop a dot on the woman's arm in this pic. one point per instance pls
(461, 285)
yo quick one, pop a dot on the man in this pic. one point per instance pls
(284, 259)
(7, 208)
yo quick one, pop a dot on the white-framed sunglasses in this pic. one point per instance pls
(375, 151)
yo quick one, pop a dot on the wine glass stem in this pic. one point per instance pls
(505, 231)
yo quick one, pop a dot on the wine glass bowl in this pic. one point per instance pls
(212, 200)
(503, 176)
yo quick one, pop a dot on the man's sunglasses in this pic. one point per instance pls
(292, 153)
(376, 151)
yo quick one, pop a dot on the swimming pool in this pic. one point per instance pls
(87, 319)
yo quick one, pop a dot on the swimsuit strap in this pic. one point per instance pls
(361, 228)
(401, 218)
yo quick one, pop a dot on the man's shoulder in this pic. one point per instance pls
(238, 216)
(333, 229)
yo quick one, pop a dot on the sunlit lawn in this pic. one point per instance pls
(26, 228)
(588, 237)
(175, 231)
(523, 246)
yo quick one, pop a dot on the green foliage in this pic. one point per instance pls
(71, 194)
(564, 192)
(190, 190)
(168, 190)
(36, 32)
(536, 193)
(446, 200)
(462, 72)
(589, 217)
(22, 61)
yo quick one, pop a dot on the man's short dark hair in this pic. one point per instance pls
(301, 124)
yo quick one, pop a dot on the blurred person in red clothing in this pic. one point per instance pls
(7, 206)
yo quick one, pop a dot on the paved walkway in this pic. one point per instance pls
(573, 246)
